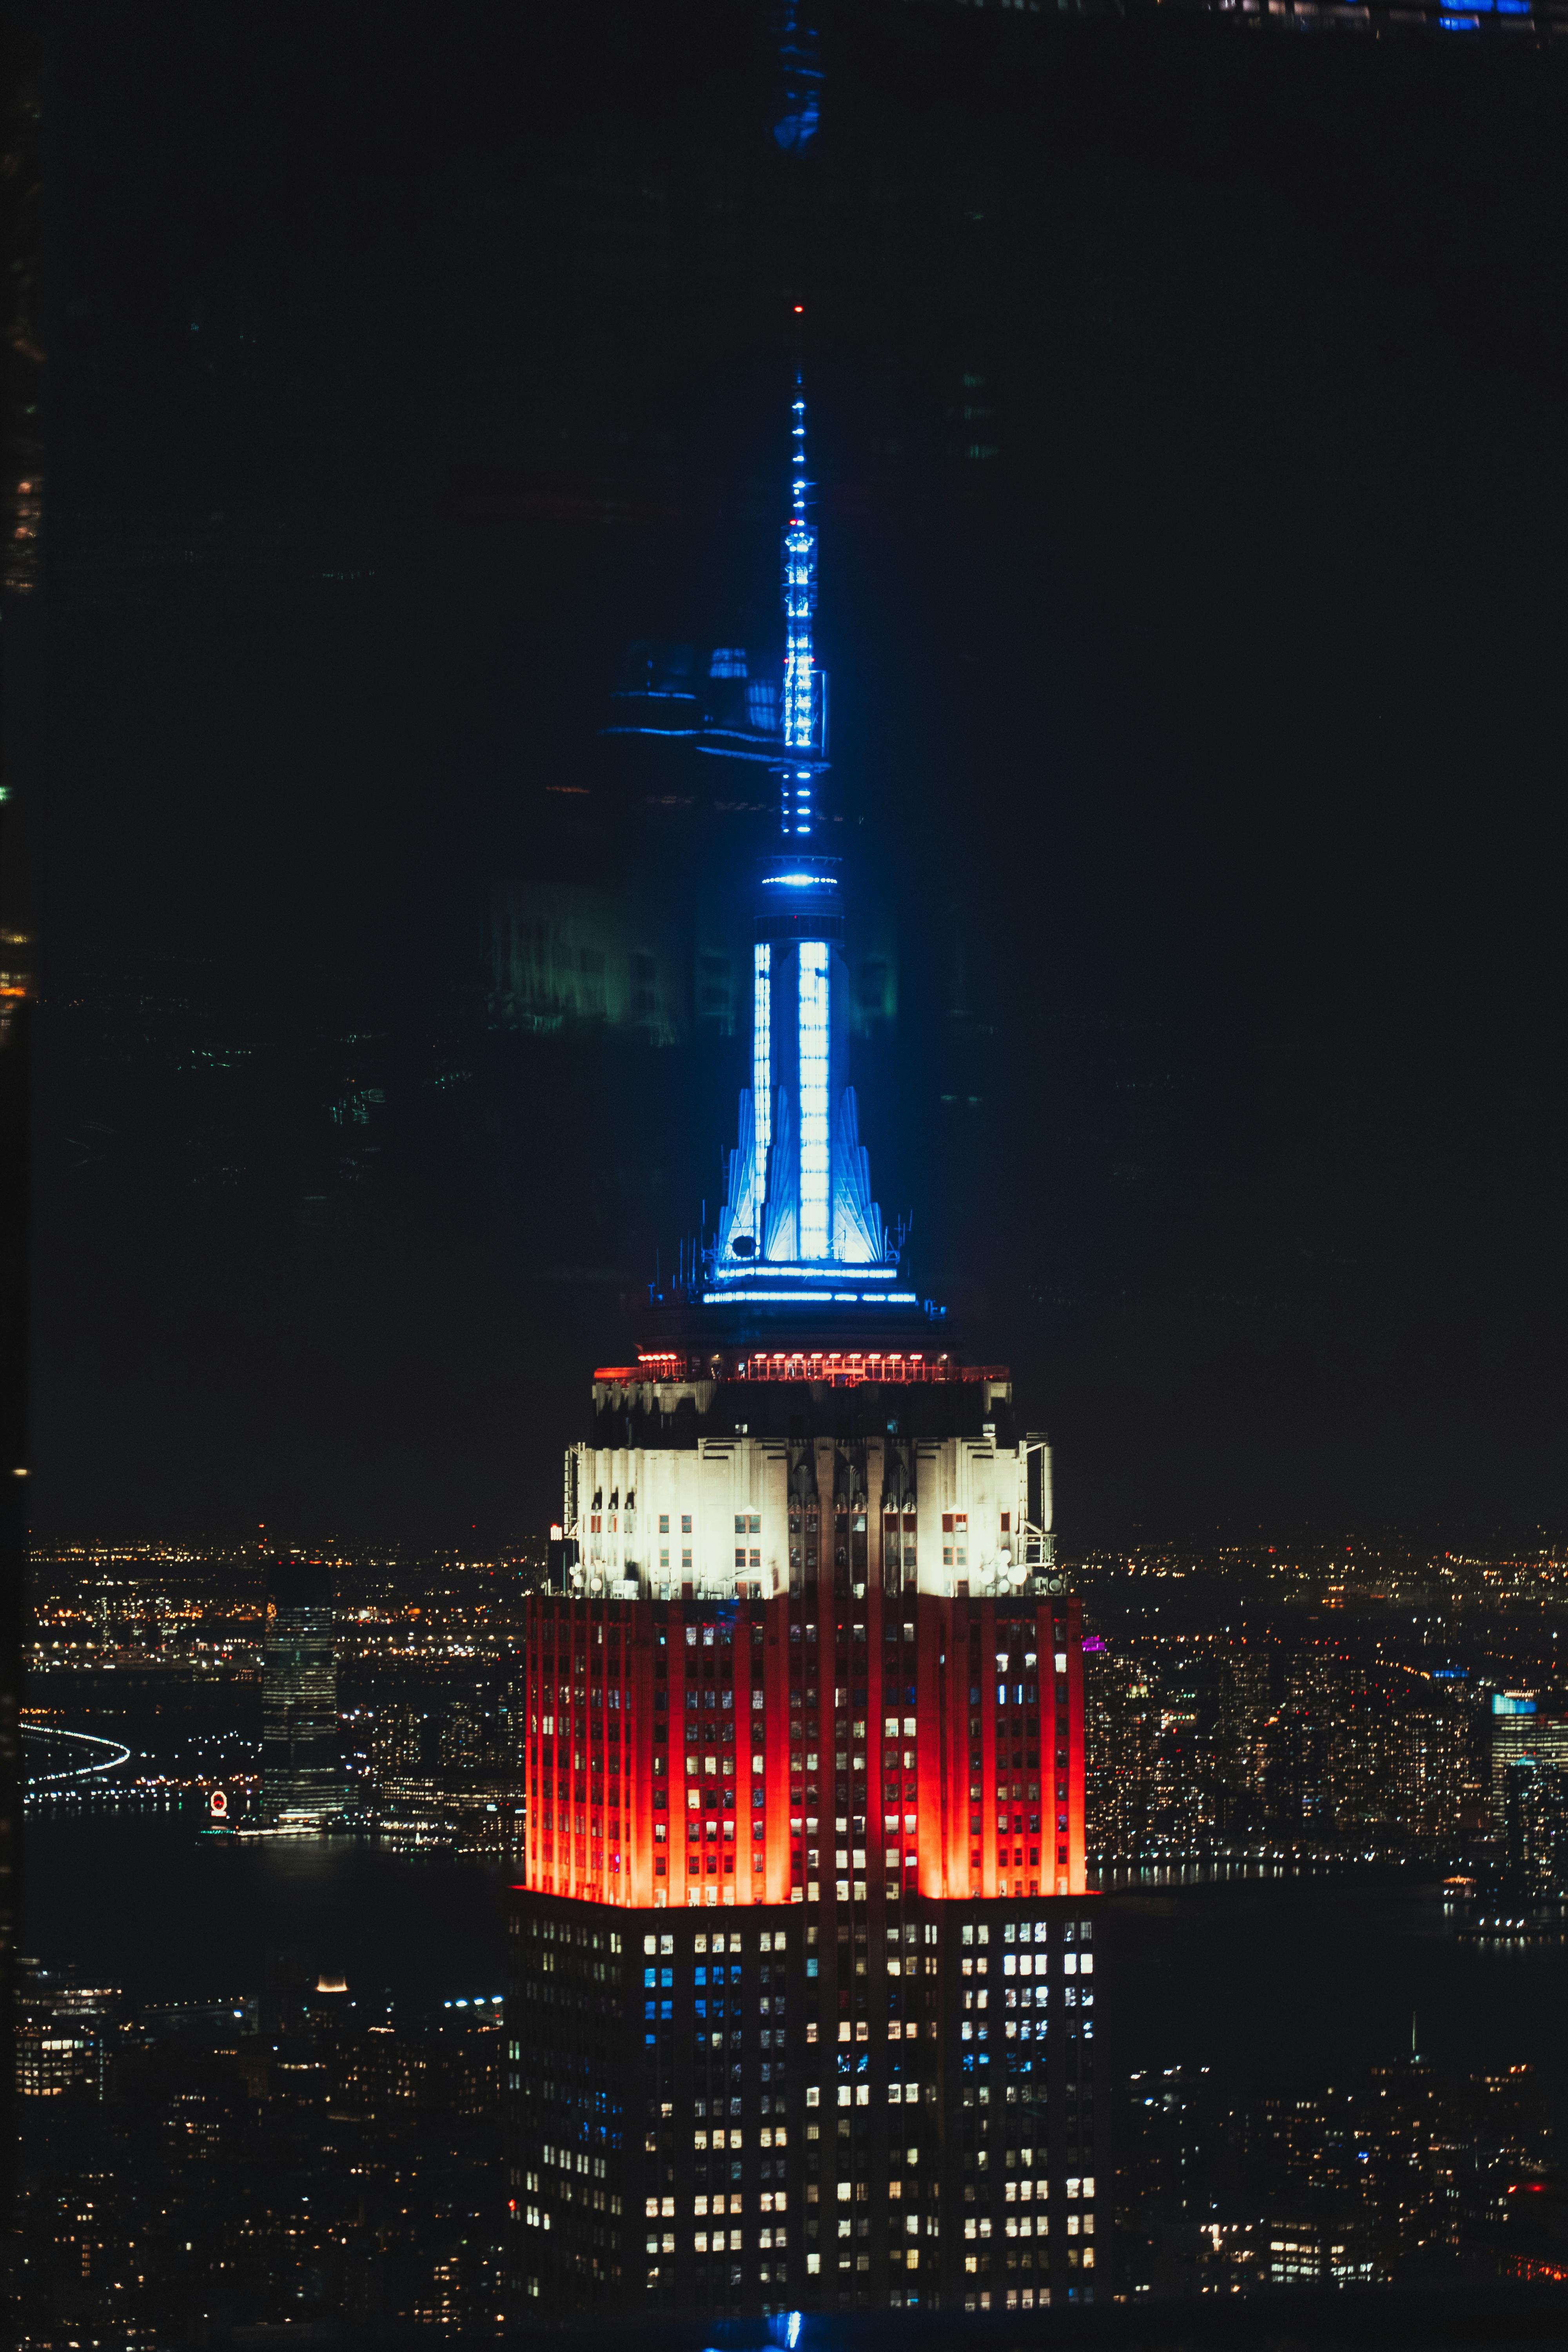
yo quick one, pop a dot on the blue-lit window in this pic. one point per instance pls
(666, 1976)
(649, 1978)
(699, 1976)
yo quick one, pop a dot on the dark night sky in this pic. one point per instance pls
(404, 363)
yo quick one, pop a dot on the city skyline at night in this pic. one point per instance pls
(781, 846)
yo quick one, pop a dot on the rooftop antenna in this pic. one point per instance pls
(801, 697)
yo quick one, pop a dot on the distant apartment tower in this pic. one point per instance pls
(302, 1768)
(61, 2030)
(802, 1986)
(1535, 1826)
(1522, 1731)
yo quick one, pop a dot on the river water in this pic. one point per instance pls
(149, 1903)
(1266, 1980)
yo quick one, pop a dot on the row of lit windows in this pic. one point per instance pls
(701, 1979)
(552, 1623)
(566, 1931)
(570, 2160)
(1015, 2225)
(663, 2206)
(712, 1760)
(1022, 1931)
(770, 2136)
(707, 1634)
(1075, 1958)
(955, 1546)
(766, 2240)
(849, 1728)
(775, 1939)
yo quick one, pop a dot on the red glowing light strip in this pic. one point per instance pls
(795, 1364)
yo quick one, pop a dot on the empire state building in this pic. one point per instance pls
(802, 1986)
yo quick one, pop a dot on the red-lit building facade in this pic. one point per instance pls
(678, 1750)
(804, 1938)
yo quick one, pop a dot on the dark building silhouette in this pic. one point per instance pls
(301, 1769)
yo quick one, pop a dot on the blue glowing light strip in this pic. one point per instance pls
(762, 1061)
(783, 1271)
(815, 1173)
(812, 1298)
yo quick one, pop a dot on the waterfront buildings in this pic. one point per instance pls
(802, 2003)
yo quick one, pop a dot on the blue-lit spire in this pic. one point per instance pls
(799, 1223)
(804, 702)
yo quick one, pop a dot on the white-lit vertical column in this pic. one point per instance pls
(816, 1177)
(761, 1046)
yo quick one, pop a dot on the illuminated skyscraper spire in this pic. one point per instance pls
(799, 1209)
(805, 709)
